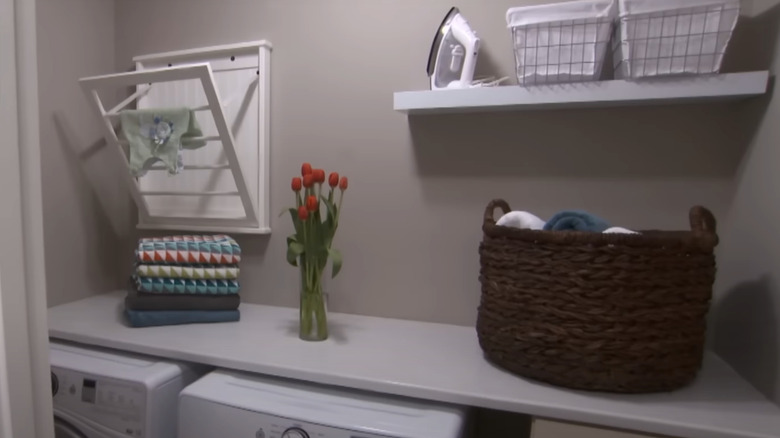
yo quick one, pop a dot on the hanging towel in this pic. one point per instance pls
(521, 219)
(142, 301)
(194, 272)
(159, 135)
(576, 221)
(185, 286)
(151, 318)
(217, 250)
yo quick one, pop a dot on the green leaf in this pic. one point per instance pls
(330, 205)
(296, 247)
(294, 250)
(330, 225)
(336, 261)
(296, 221)
(291, 239)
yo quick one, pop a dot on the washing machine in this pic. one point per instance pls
(105, 394)
(232, 404)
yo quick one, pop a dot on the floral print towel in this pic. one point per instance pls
(216, 250)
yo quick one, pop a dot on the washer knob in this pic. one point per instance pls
(295, 432)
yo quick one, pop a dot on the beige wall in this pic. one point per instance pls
(411, 224)
(75, 39)
(746, 313)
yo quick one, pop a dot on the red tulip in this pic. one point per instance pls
(303, 214)
(305, 169)
(319, 175)
(308, 180)
(311, 203)
(343, 183)
(296, 184)
(333, 179)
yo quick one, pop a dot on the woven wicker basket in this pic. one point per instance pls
(601, 312)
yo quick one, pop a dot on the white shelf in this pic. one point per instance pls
(585, 95)
(421, 360)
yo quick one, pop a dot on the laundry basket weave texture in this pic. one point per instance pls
(603, 312)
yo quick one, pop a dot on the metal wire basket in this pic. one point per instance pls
(664, 37)
(563, 42)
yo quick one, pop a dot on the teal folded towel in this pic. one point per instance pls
(152, 318)
(159, 135)
(575, 220)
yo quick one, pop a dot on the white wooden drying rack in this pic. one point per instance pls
(219, 189)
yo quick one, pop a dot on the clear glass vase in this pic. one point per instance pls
(314, 309)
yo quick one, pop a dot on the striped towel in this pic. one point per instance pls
(217, 250)
(185, 286)
(194, 272)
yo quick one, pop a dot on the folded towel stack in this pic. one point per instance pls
(183, 280)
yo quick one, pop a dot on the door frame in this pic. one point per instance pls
(25, 402)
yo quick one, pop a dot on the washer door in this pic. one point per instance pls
(63, 429)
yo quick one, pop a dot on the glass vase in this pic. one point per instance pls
(313, 311)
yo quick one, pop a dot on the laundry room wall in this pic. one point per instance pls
(419, 185)
(80, 198)
(746, 314)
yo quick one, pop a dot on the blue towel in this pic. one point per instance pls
(157, 285)
(575, 220)
(151, 318)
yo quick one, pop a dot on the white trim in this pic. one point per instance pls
(32, 216)
(5, 402)
(264, 181)
(23, 297)
(206, 51)
(206, 229)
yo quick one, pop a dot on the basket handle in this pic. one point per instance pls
(490, 209)
(703, 221)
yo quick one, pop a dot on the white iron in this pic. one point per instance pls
(453, 56)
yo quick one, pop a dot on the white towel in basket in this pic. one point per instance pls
(521, 219)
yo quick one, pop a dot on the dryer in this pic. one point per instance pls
(105, 394)
(232, 404)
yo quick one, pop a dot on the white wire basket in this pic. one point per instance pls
(672, 37)
(561, 42)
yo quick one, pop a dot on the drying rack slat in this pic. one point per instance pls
(110, 135)
(194, 167)
(175, 193)
(124, 142)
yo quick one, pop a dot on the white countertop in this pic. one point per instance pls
(422, 360)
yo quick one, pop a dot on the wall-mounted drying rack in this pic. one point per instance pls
(219, 189)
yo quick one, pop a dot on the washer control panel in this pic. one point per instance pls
(268, 426)
(113, 403)
(202, 419)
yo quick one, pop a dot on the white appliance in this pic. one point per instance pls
(231, 404)
(101, 394)
(453, 56)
